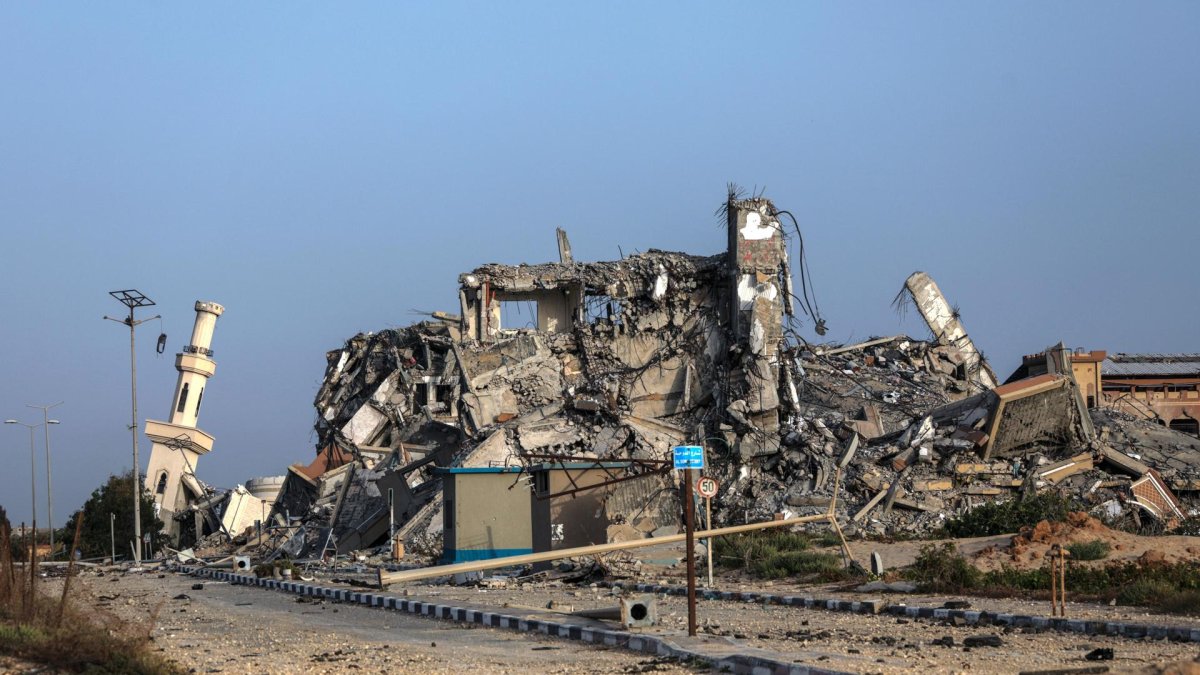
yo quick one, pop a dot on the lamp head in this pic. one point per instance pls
(53, 422)
(11, 422)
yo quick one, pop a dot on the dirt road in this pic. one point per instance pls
(234, 629)
(239, 629)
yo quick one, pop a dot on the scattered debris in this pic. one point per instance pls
(982, 641)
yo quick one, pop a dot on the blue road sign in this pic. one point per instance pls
(688, 457)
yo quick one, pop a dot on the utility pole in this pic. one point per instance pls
(133, 299)
(688, 458)
(46, 422)
(112, 535)
(32, 481)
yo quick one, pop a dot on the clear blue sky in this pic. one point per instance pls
(326, 169)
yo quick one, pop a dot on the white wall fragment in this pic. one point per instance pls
(754, 228)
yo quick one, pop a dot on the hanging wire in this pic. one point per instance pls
(808, 293)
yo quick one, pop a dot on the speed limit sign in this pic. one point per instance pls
(707, 487)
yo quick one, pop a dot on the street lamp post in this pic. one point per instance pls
(133, 299)
(46, 421)
(32, 482)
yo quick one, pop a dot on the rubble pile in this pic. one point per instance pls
(619, 361)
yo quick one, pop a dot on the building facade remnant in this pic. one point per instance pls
(1164, 388)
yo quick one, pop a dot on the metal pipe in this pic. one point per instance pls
(137, 491)
(690, 527)
(386, 578)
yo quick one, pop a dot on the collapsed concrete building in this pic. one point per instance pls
(619, 360)
(614, 363)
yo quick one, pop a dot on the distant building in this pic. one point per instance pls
(1161, 387)
(1164, 386)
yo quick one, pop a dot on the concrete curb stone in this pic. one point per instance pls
(973, 617)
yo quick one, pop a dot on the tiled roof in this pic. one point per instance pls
(1163, 365)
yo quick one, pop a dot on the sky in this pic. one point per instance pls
(326, 169)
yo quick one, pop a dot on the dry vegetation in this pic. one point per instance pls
(60, 632)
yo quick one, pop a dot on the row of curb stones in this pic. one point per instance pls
(980, 618)
(646, 644)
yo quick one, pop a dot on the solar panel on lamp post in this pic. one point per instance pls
(133, 299)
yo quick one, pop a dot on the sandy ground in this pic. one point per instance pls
(234, 629)
(852, 642)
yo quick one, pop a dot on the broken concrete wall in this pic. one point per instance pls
(943, 320)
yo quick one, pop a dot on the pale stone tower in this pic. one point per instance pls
(178, 444)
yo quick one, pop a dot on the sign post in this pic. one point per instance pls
(688, 458)
(707, 487)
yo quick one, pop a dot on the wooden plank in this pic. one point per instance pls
(972, 468)
(871, 504)
(1067, 468)
(985, 491)
(894, 492)
(860, 345)
(933, 485)
(928, 505)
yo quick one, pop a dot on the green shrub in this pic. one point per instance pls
(1180, 602)
(1147, 592)
(777, 554)
(1173, 588)
(826, 538)
(1007, 517)
(1089, 550)
(1009, 578)
(742, 550)
(1189, 527)
(943, 569)
(821, 566)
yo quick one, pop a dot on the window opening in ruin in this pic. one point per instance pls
(516, 314)
(162, 483)
(1186, 425)
(603, 308)
(183, 394)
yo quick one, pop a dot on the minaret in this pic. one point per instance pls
(178, 444)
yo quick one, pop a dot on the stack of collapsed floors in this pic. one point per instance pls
(625, 359)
